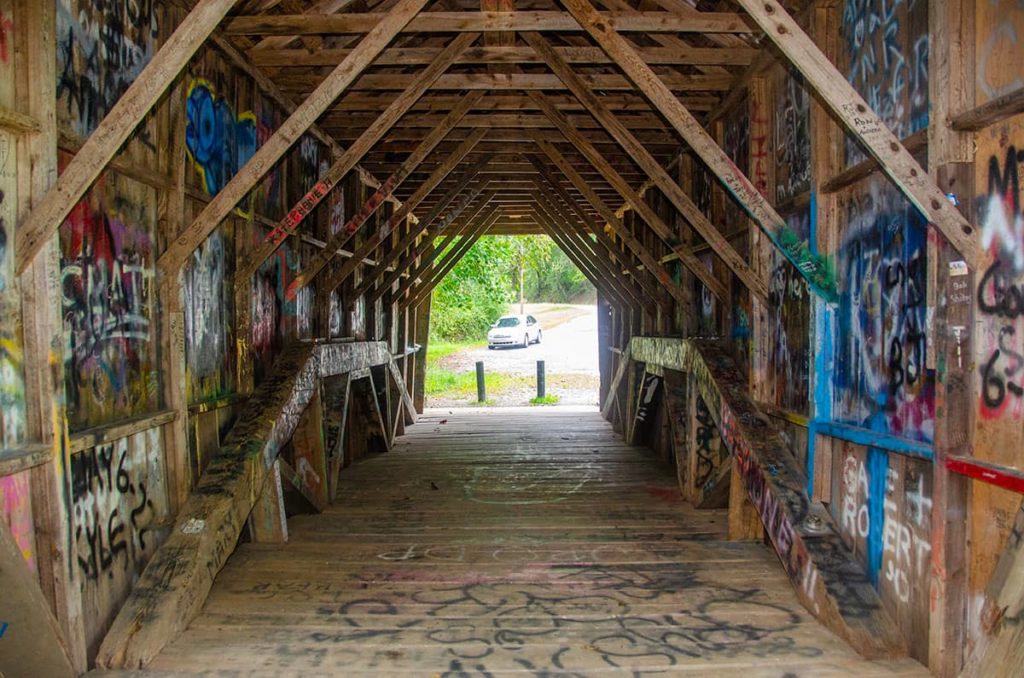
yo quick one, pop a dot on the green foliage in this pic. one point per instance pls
(548, 399)
(478, 289)
(475, 293)
(559, 281)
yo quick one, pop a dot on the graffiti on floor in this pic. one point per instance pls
(495, 619)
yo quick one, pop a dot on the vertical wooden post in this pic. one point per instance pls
(951, 161)
(422, 337)
(268, 523)
(827, 142)
(310, 452)
(172, 317)
(43, 328)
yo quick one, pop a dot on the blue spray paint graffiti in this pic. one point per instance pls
(218, 141)
(886, 45)
(881, 380)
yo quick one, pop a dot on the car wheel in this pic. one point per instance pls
(490, 348)
(526, 340)
(539, 333)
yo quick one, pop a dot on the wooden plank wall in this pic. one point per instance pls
(856, 385)
(140, 430)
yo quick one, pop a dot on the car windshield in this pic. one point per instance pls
(507, 322)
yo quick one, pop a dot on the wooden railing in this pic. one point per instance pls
(177, 580)
(827, 578)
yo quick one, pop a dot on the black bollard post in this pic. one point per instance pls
(481, 391)
(540, 379)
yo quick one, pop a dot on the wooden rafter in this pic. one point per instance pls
(373, 203)
(422, 272)
(641, 289)
(633, 198)
(452, 260)
(598, 269)
(343, 165)
(331, 282)
(374, 288)
(818, 274)
(649, 261)
(682, 202)
(270, 152)
(104, 143)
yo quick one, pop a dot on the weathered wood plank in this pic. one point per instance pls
(827, 578)
(470, 540)
(30, 639)
(267, 522)
(504, 54)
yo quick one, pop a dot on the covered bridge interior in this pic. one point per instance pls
(221, 222)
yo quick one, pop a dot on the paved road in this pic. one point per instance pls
(568, 348)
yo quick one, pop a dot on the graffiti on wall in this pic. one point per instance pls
(789, 321)
(736, 144)
(16, 511)
(1000, 293)
(269, 196)
(6, 31)
(792, 137)
(884, 514)
(12, 382)
(1000, 42)
(886, 50)
(276, 318)
(102, 48)
(119, 516)
(707, 323)
(219, 141)
(209, 318)
(107, 274)
(881, 381)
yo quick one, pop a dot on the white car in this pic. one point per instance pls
(514, 330)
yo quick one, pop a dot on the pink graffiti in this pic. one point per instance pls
(6, 28)
(16, 507)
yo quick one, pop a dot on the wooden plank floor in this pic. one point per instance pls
(495, 542)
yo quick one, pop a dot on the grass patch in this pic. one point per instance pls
(445, 383)
(549, 399)
(436, 350)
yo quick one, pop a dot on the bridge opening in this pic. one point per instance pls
(511, 302)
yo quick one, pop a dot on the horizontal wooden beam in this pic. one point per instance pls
(417, 56)
(101, 435)
(448, 22)
(443, 102)
(677, 82)
(990, 112)
(1001, 476)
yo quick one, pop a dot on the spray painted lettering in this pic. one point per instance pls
(106, 276)
(886, 44)
(881, 382)
(102, 48)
